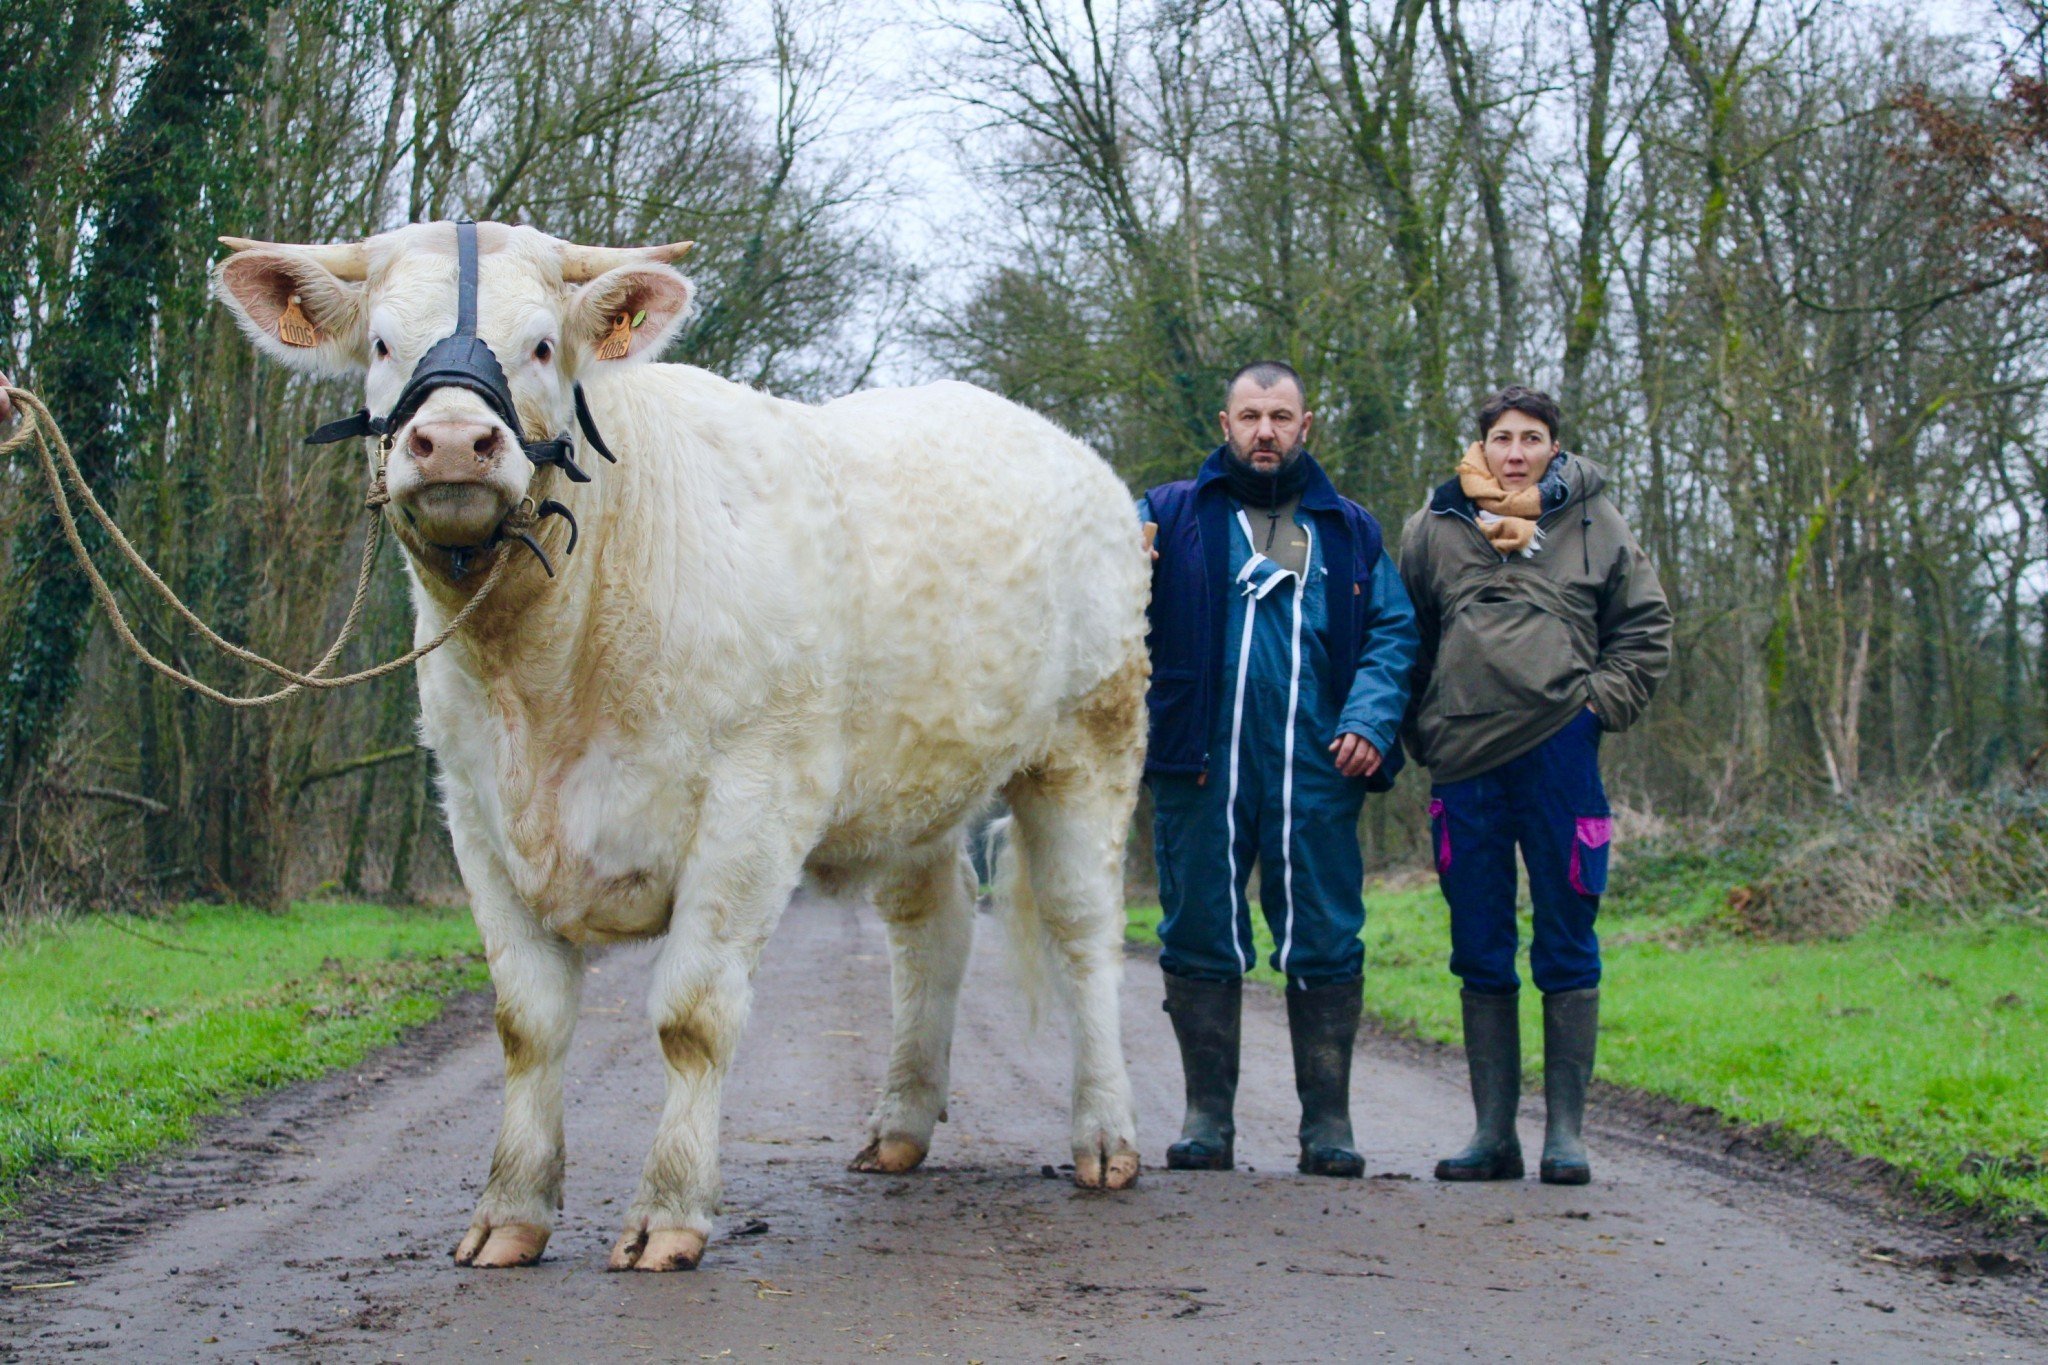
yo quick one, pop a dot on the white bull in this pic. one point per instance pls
(792, 640)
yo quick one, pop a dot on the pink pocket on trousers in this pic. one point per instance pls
(1589, 854)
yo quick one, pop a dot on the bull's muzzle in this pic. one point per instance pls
(451, 486)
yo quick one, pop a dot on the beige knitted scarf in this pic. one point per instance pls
(1511, 523)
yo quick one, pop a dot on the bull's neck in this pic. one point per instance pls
(523, 602)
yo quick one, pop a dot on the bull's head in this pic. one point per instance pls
(550, 312)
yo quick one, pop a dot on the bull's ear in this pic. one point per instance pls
(629, 314)
(295, 309)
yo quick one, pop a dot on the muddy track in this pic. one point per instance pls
(1769, 1157)
(316, 1225)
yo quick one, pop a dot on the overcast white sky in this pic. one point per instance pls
(889, 55)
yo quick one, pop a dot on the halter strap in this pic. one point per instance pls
(465, 289)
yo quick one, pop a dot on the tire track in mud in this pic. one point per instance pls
(317, 1226)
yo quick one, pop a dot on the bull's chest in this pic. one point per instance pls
(592, 827)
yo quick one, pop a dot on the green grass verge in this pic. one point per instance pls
(116, 1033)
(1923, 1045)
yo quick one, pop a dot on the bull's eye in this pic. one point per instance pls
(542, 351)
(377, 345)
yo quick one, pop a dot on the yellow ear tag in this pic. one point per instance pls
(293, 329)
(618, 341)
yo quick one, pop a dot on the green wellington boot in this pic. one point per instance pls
(1493, 1054)
(1205, 1023)
(1571, 1022)
(1323, 1024)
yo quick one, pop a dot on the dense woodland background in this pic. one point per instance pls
(1782, 262)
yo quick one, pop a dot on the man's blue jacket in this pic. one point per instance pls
(1192, 592)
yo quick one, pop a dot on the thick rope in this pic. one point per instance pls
(41, 429)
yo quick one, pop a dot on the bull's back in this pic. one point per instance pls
(1001, 581)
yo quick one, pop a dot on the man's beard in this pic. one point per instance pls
(1287, 458)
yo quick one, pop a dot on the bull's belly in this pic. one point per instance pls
(889, 809)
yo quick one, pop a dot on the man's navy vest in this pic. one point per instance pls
(1191, 602)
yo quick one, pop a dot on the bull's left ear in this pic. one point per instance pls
(629, 314)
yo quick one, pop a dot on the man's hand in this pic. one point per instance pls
(1356, 757)
(6, 408)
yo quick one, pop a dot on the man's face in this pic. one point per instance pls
(1266, 427)
(1518, 449)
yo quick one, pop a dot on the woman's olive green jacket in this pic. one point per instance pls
(1513, 647)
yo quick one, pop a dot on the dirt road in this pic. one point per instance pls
(317, 1226)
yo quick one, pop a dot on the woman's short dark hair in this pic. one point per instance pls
(1531, 402)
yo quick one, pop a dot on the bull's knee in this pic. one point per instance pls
(523, 1052)
(689, 1045)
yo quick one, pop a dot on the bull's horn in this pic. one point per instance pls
(343, 260)
(580, 263)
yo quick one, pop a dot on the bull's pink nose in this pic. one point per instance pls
(452, 451)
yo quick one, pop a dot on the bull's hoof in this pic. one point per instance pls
(508, 1244)
(661, 1249)
(1099, 1169)
(888, 1156)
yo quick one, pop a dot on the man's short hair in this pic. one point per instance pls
(1266, 374)
(1530, 402)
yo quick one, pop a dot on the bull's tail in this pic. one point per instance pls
(1031, 945)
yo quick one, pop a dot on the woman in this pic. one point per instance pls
(1543, 626)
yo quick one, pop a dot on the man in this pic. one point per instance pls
(1543, 625)
(1281, 642)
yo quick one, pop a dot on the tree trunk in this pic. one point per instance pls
(1589, 302)
(398, 890)
(155, 172)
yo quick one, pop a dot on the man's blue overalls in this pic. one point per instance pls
(1273, 795)
(1240, 766)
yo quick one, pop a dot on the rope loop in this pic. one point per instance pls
(39, 428)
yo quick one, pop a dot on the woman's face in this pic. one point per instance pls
(1518, 449)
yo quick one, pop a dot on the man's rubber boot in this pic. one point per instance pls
(1205, 1022)
(1571, 1022)
(1493, 1054)
(1323, 1023)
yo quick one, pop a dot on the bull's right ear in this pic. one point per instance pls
(296, 310)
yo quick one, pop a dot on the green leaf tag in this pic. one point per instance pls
(639, 317)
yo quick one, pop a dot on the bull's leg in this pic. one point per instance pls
(928, 905)
(1070, 815)
(698, 1002)
(538, 978)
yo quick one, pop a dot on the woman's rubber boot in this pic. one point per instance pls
(1205, 1022)
(1323, 1023)
(1571, 1022)
(1493, 1054)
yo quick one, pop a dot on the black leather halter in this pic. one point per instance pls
(464, 360)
